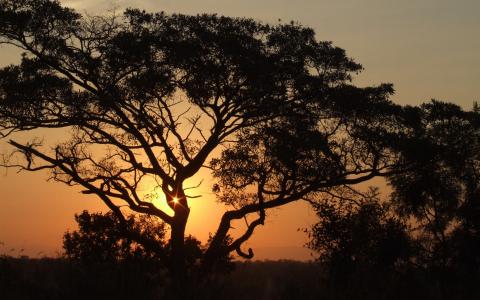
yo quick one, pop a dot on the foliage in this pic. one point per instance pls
(360, 233)
(100, 238)
(148, 97)
(441, 189)
(427, 230)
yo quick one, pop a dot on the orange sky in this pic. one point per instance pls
(428, 49)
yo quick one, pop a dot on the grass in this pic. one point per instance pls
(48, 278)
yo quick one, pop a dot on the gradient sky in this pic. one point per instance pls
(427, 49)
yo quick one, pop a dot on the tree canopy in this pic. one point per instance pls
(425, 234)
(268, 108)
(440, 191)
(101, 239)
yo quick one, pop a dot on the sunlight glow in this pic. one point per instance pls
(175, 200)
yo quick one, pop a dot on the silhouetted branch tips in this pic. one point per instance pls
(148, 98)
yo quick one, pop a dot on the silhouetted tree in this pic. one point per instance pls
(100, 238)
(359, 233)
(440, 191)
(475, 107)
(155, 96)
(428, 229)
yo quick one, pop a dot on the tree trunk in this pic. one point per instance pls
(214, 250)
(177, 247)
(177, 243)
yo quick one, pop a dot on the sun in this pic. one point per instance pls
(175, 200)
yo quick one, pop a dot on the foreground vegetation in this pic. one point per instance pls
(47, 278)
(144, 98)
(273, 113)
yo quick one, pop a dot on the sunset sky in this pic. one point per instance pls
(427, 49)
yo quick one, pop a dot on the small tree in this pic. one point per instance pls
(267, 107)
(100, 238)
(359, 233)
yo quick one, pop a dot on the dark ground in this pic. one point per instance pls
(23, 278)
